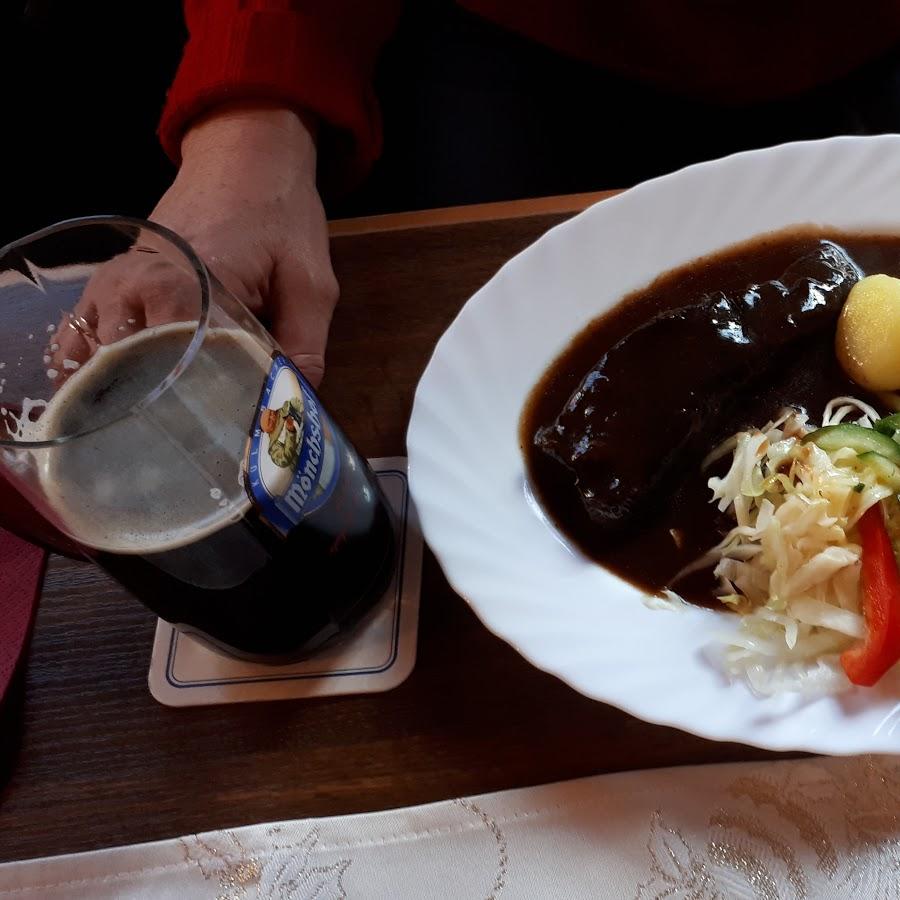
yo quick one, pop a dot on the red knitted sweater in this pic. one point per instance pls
(319, 55)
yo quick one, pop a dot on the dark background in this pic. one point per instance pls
(471, 114)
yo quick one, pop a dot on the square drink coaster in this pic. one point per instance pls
(377, 656)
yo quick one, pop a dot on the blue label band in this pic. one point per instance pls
(293, 463)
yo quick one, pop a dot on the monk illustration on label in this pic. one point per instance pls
(282, 427)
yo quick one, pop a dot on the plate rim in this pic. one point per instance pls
(848, 743)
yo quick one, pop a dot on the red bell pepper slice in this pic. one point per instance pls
(867, 661)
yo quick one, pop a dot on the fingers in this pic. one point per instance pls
(131, 292)
(139, 290)
(301, 304)
(70, 344)
(225, 268)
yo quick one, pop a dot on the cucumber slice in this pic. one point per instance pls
(886, 472)
(889, 425)
(862, 440)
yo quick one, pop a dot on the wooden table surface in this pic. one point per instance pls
(101, 763)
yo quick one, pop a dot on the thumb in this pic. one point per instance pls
(300, 306)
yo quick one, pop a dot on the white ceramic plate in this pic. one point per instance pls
(562, 612)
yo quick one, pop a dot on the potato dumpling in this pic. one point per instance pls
(868, 333)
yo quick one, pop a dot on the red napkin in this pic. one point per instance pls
(21, 573)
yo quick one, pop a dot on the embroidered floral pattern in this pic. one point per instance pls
(502, 856)
(283, 872)
(788, 833)
(677, 870)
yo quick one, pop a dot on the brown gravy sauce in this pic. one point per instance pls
(649, 555)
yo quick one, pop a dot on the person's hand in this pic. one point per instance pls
(245, 198)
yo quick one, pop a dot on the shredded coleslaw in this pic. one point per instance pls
(790, 565)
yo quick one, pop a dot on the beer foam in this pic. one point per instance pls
(172, 473)
(20, 427)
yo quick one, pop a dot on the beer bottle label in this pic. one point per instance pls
(293, 463)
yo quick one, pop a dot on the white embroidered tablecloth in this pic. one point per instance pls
(815, 828)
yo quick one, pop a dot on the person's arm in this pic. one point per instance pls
(245, 198)
(259, 83)
(313, 56)
(258, 80)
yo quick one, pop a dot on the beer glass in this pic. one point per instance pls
(149, 417)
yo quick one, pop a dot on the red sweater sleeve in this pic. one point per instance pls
(313, 55)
